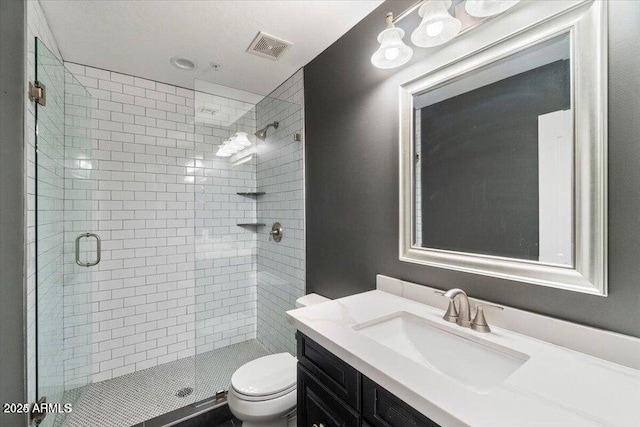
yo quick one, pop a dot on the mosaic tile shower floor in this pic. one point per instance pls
(139, 396)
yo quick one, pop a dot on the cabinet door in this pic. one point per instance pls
(383, 409)
(339, 377)
(318, 407)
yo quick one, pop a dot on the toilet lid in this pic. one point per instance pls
(266, 376)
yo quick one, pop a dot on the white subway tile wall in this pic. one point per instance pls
(280, 168)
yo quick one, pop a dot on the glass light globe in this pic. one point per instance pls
(484, 8)
(437, 26)
(241, 138)
(434, 28)
(392, 52)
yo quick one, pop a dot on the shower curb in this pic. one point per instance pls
(207, 412)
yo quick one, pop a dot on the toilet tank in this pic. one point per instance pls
(310, 299)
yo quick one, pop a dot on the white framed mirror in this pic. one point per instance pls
(503, 157)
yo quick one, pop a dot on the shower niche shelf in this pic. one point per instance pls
(250, 194)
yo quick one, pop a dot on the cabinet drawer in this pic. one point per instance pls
(336, 375)
(318, 407)
(382, 409)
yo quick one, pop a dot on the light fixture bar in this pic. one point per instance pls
(408, 11)
(469, 22)
(443, 21)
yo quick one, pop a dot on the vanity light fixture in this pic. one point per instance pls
(392, 52)
(437, 26)
(485, 8)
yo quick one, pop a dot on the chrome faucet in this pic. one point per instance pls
(463, 311)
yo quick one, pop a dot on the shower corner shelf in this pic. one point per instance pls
(250, 193)
(251, 224)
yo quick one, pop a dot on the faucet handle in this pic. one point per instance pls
(452, 313)
(479, 322)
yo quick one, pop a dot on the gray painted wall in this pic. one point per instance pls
(352, 180)
(12, 287)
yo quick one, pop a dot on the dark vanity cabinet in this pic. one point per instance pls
(332, 393)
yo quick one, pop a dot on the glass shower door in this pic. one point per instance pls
(246, 181)
(63, 256)
(226, 227)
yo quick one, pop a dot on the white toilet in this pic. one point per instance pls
(263, 392)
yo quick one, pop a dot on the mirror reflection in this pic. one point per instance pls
(494, 159)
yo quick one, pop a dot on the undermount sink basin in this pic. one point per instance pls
(476, 363)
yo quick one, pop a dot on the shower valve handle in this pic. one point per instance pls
(276, 232)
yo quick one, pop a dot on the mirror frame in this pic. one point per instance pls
(586, 22)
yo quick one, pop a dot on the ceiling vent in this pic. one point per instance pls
(268, 46)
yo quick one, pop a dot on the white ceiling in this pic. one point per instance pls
(138, 37)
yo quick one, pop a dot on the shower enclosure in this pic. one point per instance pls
(156, 277)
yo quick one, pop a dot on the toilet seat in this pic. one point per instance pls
(250, 398)
(265, 378)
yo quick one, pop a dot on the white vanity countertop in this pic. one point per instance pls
(554, 387)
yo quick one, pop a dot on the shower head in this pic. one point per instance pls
(262, 133)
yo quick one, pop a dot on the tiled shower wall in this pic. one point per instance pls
(280, 169)
(165, 208)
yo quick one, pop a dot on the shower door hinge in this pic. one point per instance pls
(38, 411)
(38, 93)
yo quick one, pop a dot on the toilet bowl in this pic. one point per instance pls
(263, 392)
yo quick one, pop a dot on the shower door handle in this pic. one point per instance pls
(98, 250)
